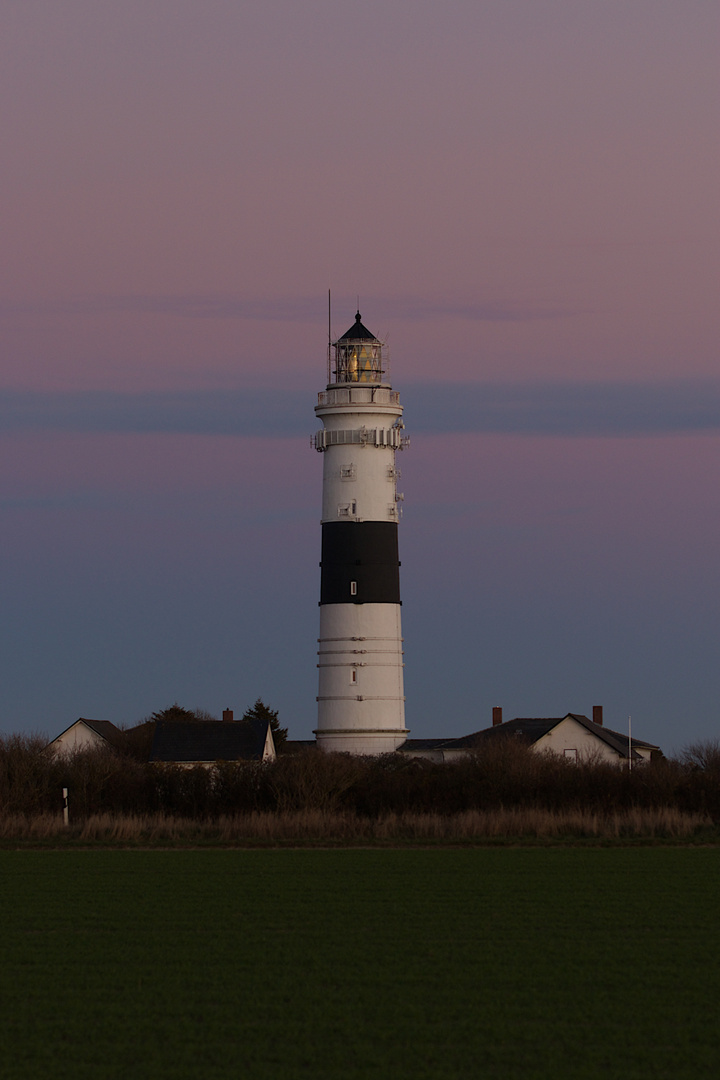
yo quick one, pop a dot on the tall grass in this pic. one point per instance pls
(322, 826)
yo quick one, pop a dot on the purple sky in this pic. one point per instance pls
(523, 193)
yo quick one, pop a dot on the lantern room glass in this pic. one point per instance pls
(358, 362)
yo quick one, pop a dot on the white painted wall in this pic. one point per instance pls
(361, 703)
(269, 753)
(569, 735)
(77, 737)
(359, 479)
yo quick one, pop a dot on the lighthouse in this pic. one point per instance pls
(361, 705)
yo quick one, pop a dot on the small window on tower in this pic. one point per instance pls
(353, 588)
(347, 472)
(344, 510)
(353, 675)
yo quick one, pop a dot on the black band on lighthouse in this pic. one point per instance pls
(360, 563)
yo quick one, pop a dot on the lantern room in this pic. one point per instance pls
(358, 357)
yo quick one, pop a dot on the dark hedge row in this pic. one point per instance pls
(505, 775)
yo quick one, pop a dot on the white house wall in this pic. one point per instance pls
(269, 753)
(77, 737)
(568, 735)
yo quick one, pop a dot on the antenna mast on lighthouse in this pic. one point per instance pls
(361, 703)
(329, 345)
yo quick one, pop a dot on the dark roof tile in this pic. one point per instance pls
(208, 740)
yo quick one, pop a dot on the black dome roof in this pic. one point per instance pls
(358, 332)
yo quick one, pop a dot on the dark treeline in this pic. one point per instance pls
(501, 776)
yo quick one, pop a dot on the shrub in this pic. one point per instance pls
(501, 776)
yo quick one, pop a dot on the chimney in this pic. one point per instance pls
(597, 714)
(227, 716)
(497, 715)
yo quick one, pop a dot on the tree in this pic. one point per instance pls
(261, 714)
(177, 714)
(704, 756)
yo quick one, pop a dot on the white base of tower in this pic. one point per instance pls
(371, 743)
(361, 706)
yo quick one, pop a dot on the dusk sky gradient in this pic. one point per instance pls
(523, 194)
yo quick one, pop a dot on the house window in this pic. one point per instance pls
(570, 754)
(353, 588)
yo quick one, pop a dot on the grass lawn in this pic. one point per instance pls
(503, 963)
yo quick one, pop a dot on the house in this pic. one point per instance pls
(440, 750)
(573, 736)
(87, 734)
(205, 742)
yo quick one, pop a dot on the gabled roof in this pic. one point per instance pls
(208, 741)
(104, 728)
(465, 742)
(434, 744)
(529, 730)
(358, 332)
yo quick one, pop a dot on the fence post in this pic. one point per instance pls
(66, 813)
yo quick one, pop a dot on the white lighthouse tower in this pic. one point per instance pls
(361, 706)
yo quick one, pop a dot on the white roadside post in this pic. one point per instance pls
(629, 743)
(66, 812)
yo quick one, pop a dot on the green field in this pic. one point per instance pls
(502, 963)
